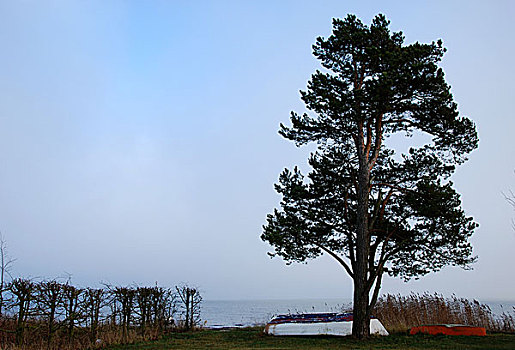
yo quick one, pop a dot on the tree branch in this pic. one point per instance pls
(348, 233)
(381, 214)
(378, 141)
(376, 291)
(368, 145)
(338, 258)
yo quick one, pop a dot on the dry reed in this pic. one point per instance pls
(399, 313)
(36, 336)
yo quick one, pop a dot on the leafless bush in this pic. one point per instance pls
(190, 301)
(22, 296)
(93, 302)
(5, 270)
(54, 315)
(124, 298)
(50, 305)
(155, 307)
(72, 300)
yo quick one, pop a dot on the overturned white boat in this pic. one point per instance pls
(339, 324)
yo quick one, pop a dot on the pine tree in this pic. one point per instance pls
(373, 210)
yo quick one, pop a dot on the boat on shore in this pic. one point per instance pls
(337, 324)
(448, 329)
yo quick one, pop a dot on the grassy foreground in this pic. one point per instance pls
(253, 338)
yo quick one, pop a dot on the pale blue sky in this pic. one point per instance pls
(138, 140)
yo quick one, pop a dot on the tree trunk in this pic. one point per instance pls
(51, 318)
(2, 270)
(192, 308)
(188, 311)
(20, 325)
(361, 319)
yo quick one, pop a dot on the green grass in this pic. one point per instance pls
(253, 338)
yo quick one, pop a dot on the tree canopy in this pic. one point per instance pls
(373, 209)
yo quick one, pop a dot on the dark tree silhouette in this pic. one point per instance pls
(190, 302)
(5, 270)
(372, 210)
(50, 305)
(72, 297)
(93, 302)
(23, 295)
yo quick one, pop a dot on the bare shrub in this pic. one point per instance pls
(5, 270)
(50, 305)
(93, 302)
(22, 297)
(53, 315)
(190, 302)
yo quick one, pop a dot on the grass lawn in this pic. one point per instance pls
(253, 338)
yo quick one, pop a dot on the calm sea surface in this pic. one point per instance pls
(230, 313)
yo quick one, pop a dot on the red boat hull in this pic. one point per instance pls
(449, 330)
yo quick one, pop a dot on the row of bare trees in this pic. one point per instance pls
(54, 314)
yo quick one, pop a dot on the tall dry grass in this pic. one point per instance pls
(36, 336)
(399, 313)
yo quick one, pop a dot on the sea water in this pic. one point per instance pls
(240, 313)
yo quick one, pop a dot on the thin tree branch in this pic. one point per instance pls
(368, 145)
(378, 141)
(376, 291)
(337, 258)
